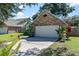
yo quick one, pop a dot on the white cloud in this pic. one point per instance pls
(73, 4)
(20, 15)
(33, 13)
(21, 6)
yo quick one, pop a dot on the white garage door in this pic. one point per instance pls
(46, 31)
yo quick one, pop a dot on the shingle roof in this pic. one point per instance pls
(15, 23)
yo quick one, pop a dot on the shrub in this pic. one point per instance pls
(61, 31)
(11, 35)
(28, 32)
(46, 52)
(60, 51)
(70, 54)
(69, 29)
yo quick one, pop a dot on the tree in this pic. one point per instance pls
(59, 9)
(74, 20)
(34, 16)
(30, 4)
(10, 9)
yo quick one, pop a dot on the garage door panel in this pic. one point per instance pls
(46, 31)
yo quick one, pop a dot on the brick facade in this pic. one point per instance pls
(16, 29)
(47, 20)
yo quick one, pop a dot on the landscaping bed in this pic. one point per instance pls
(72, 45)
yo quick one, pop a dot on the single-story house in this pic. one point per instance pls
(12, 26)
(45, 25)
(3, 27)
(74, 29)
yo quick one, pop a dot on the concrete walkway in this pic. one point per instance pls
(28, 44)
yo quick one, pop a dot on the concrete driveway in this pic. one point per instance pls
(35, 42)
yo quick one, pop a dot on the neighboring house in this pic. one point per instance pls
(45, 25)
(74, 23)
(74, 31)
(3, 27)
(12, 26)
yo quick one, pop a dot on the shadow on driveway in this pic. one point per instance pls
(41, 39)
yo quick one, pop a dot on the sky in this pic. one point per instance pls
(76, 11)
(30, 11)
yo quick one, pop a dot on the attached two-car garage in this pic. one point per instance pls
(46, 31)
(45, 25)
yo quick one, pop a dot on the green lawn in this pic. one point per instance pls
(5, 51)
(9, 37)
(72, 44)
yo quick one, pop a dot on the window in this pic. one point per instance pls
(44, 15)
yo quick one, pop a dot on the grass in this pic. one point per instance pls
(8, 37)
(72, 44)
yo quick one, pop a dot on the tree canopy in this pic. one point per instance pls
(73, 21)
(7, 10)
(10, 9)
(59, 9)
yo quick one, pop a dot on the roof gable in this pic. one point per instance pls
(47, 17)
